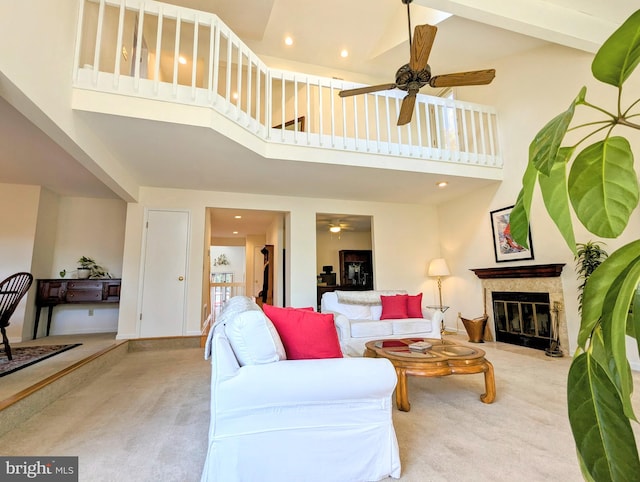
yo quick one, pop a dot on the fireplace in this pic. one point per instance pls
(522, 318)
(525, 304)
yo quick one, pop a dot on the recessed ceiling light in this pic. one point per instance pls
(237, 216)
(182, 60)
(235, 232)
(442, 184)
(288, 40)
(344, 53)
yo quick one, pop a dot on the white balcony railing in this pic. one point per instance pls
(160, 51)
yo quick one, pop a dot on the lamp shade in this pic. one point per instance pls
(438, 267)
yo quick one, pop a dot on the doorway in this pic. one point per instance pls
(344, 253)
(247, 231)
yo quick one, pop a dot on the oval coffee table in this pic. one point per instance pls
(443, 358)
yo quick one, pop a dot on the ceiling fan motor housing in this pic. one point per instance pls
(405, 77)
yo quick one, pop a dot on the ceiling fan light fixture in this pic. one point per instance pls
(334, 229)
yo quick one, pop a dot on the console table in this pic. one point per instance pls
(52, 292)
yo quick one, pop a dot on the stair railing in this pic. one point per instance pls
(160, 51)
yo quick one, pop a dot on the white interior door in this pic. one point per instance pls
(165, 272)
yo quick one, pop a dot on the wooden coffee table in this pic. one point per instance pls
(444, 358)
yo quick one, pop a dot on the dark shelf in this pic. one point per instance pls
(530, 271)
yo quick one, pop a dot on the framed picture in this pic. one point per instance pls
(504, 247)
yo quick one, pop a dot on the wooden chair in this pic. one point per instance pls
(12, 289)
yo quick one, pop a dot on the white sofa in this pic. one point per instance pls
(280, 420)
(357, 318)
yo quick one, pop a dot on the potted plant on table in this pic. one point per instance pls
(88, 268)
(600, 185)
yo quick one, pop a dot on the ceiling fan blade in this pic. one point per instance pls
(366, 90)
(476, 77)
(406, 109)
(423, 38)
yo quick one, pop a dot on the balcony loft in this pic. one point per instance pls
(192, 70)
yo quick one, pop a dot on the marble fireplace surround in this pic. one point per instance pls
(539, 278)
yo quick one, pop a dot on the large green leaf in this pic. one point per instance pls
(603, 435)
(634, 318)
(598, 285)
(620, 54)
(556, 199)
(603, 186)
(543, 150)
(519, 217)
(598, 351)
(614, 320)
(583, 468)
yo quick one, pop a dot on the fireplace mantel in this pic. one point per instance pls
(530, 271)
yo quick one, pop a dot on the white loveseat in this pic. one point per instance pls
(280, 420)
(357, 317)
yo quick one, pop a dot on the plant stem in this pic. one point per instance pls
(623, 121)
(605, 112)
(589, 135)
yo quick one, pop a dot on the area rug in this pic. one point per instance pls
(25, 356)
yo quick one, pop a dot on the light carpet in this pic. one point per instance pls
(146, 419)
(450, 435)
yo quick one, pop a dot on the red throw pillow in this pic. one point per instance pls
(414, 306)
(394, 307)
(305, 334)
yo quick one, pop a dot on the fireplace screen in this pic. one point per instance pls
(522, 318)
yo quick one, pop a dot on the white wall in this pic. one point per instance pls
(27, 23)
(93, 228)
(43, 252)
(254, 284)
(529, 90)
(235, 256)
(405, 238)
(89, 227)
(18, 220)
(276, 236)
(42, 233)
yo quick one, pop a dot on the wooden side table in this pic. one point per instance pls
(53, 292)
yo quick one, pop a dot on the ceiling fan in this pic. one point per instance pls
(416, 74)
(336, 226)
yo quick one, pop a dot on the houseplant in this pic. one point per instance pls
(589, 256)
(601, 189)
(95, 270)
